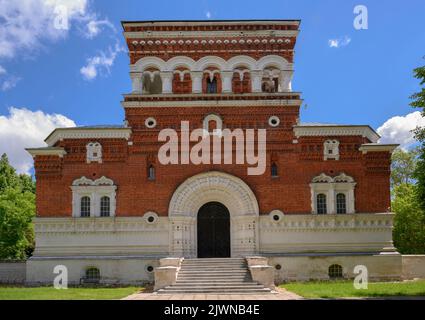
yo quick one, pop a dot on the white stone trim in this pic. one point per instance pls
(85, 133)
(375, 147)
(331, 187)
(95, 190)
(272, 119)
(210, 34)
(150, 119)
(214, 117)
(60, 152)
(200, 189)
(337, 130)
(94, 152)
(150, 214)
(200, 65)
(274, 213)
(213, 103)
(331, 150)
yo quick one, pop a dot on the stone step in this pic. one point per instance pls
(214, 279)
(212, 269)
(227, 286)
(200, 265)
(217, 290)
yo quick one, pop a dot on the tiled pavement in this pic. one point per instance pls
(280, 295)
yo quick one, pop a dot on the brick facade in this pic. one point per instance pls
(126, 161)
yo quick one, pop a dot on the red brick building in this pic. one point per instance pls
(105, 200)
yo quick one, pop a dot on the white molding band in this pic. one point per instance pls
(336, 130)
(60, 152)
(87, 133)
(376, 147)
(213, 103)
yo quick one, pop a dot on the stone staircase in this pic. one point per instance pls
(214, 275)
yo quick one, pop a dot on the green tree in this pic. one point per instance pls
(17, 209)
(8, 177)
(403, 166)
(419, 102)
(409, 221)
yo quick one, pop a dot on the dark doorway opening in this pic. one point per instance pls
(213, 231)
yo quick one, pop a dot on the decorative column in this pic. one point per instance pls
(136, 80)
(256, 76)
(196, 81)
(227, 81)
(331, 199)
(167, 81)
(285, 81)
(351, 201)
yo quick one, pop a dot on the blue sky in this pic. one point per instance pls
(366, 80)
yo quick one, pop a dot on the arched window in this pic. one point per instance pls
(274, 171)
(241, 81)
(151, 172)
(270, 81)
(152, 83)
(212, 85)
(182, 82)
(105, 206)
(341, 204)
(335, 271)
(85, 206)
(321, 204)
(93, 274)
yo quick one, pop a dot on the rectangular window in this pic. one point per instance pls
(85, 207)
(321, 204)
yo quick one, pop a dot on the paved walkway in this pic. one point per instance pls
(278, 295)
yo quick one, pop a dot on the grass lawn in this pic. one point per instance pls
(338, 289)
(50, 293)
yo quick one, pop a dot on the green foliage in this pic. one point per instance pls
(16, 213)
(409, 221)
(10, 179)
(403, 166)
(17, 208)
(419, 102)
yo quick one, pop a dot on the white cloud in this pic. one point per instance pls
(9, 83)
(23, 128)
(339, 42)
(94, 27)
(26, 24)
(101, 62)
(399, 129)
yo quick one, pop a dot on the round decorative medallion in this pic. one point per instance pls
(150, 123)
(150, 217)
(274, 121)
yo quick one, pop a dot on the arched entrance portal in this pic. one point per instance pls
(213, 231)
(218, 187)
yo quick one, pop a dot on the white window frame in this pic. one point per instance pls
(331, 187)
(95, 190)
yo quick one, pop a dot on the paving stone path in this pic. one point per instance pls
(280, 294)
